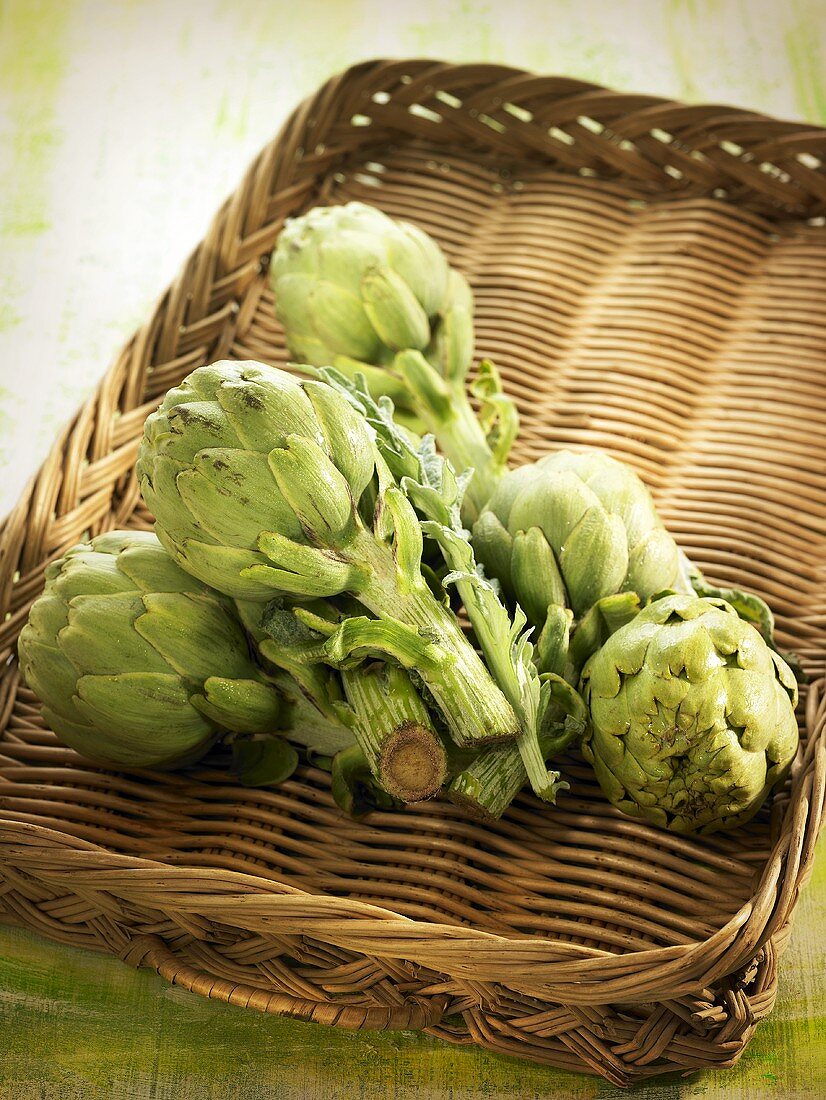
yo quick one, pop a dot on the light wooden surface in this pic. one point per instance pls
(122, 126)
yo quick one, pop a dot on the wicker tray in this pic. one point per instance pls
(649, 277)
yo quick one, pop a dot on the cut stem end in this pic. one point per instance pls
(413, 763)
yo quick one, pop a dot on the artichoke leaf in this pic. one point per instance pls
(358, 638)
(598, 624)
(354, 787)
(247, 706)
(498, 414)
(554, 642)
(263, 761)
(193, 634)
(393, 310)
(317, 491)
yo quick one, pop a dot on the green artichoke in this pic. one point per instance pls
(359, 291)
(263, 486)
(353, 284)
(136, 662)
(691, 716)
(571, 529)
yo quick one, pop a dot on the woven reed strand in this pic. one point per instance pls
(649, 277)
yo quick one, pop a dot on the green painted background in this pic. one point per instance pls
(122, 127)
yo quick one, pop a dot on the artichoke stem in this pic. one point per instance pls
(474, 707)
(394, 731)
(504, 670)
(489, 784)
(462, 440)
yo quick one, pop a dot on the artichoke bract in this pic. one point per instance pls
(136, 662)
(691, 716)
(359, 291)
(571, 529)
(262, 485)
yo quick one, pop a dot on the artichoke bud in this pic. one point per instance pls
(394, 311)
(600, 522)
(535, 574)
(691, 720)
(122, 647)
(351, 283)
(315, 488)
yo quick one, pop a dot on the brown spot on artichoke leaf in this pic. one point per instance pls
(188, 415)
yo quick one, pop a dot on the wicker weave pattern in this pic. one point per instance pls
(649, 277)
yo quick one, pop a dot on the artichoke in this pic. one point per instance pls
(263, 486)
(691, 716)
(136, 662)
(571, 529)
(359, 291)
(352, 284)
